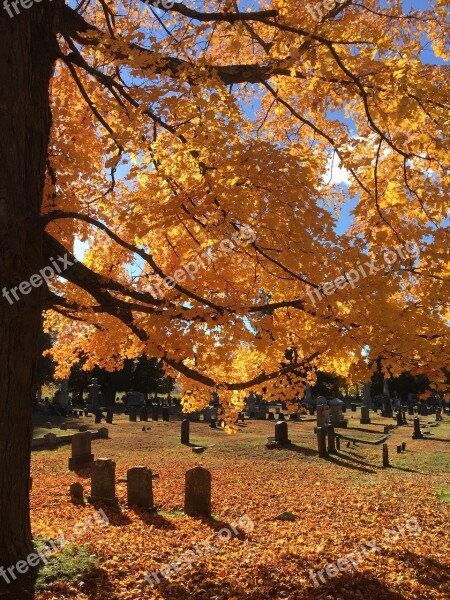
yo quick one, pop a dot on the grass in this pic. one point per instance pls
(68, 565)
(444, 494)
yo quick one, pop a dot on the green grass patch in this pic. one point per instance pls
(68, 565)
(444, 494)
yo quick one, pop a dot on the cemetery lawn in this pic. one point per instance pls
(338, 505)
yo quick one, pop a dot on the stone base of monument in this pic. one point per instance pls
(109, 501)
(75, 465)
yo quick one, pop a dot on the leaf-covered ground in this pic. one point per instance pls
(339, 504)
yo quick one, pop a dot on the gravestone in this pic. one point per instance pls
(98, 416)
(51, 440)
(197, 498)
(155, 413)
(323, 412)
(399, 449)
(212, 423)
(331, 440)
(281, 417)
(385, 455)
(109, 416)
(438, 416)
(336, 418)
(76, 493)
(337, 439)
(81, 451)
(139, 487)
(403, 446)
(103, 482)
(242, 417)
(185, 431)
(62, 395)
(399, 418)
(83, 428)
(312, 409)
(353, 407)
(386, 408)
(321, 433)
(132, 414)
(63, 426)
(417, 435)
(367, 397)
(294, 417)
(143, 414)
(94, 396)
(271, 416)
(365, 415)
(103, 433)
(281, 433)
(49, 425)
(165, 414)
(411, 410)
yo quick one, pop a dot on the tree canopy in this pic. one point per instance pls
(208, 139)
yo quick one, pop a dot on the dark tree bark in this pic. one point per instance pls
(26, 58)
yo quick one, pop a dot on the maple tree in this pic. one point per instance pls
(158, 135)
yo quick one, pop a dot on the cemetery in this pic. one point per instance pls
(289, 475)
(224, 300)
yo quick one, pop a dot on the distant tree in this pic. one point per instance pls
(143, 374)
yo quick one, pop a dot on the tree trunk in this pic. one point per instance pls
(28, 51)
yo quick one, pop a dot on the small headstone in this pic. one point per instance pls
(52, 440)
(81, 451)
(337, 439)
(281, 433)
(399, 418)
(82, 428)
(144, 414)
(185, 431)
(331, 440)
(155, 412)
(321, 441)
(385, 455)
(103, 433)
(132, 414)
(197, 499)
(98, 416)
(365, 415)
(139, 487)
(49, 425)
(76, 493)
(103, 482)
(165, 414)
(286, 516)
(417, 435)
(323, 412)
(212, 424)
(109, 416)
(399, 449)
(438, 416)
(353, 407)
(403, 446)
(281, 417)
(63, 426)
(271, 416)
